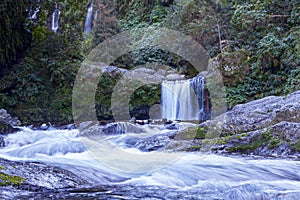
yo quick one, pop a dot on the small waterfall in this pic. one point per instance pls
(55, 18)
(89, 19)
(184, 99)
(35, 13)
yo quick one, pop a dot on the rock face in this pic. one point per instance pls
(37, 177)
(7, 122)
(269, 126)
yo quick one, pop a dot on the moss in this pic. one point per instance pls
(242, 135)
(196, 148)
(2, 167)
(200, 133)
(6, 179)
(274, 142)
(267, 134)
(295, 145)
(258, 142)
(265, 139)
(192, 133)
(225, 139)
(222, 141)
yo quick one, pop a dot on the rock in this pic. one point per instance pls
(38, 175)
(151, 143)
(140, 112)
(2, 141)
(133, 120)
(113, 128)
(113, 70)
(264, 127)
(280, 140)
(258, 114)
(121, 128)
(175, 77)
(6, 128)
(92, 131)
(7, 122)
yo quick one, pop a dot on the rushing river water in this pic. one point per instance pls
(187, 176)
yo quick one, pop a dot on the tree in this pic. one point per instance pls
(14, 38)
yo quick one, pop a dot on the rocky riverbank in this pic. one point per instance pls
(265, 127)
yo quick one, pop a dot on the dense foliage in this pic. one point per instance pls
(255, 42)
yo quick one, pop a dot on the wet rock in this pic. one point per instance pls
(68, 127)
(39, 176)
(113, 70)
(91, 131)
(152, 143)
(280, 140)
(113, 128)
(265, 127)
(7, 122)
(173, 126)
(2, 141)
(121, 128)
(175, 77)
(258, 114)
(6, 128)
(140, 112)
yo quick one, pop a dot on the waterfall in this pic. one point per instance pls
(89, 19)
(184, 99)
(37, 10)
(55, 18)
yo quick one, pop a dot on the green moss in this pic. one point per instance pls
(266, 135)
(265, 139)
(242, 135)
(258, 142)
(192, 133)
(221, 141)
(200, 133)
(274, 142)
(196, 148)
(295, 145)
(6, 179)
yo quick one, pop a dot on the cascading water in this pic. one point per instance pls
(184, 99)
(191, 176)
(55, 18)
(89, 19)
(34, 12)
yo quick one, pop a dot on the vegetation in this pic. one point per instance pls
(6, 179)
(255, 42)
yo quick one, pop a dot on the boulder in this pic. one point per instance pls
(121, 128)
(257, 115)
(265, 127)
(7, 122)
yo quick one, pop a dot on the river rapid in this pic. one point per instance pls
(111, 174)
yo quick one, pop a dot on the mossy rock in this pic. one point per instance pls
(6, 128)
(6, 179)
(191, 133)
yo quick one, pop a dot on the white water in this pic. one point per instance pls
(190, 176)
(55, 18)
(89, 19)
(183, 100)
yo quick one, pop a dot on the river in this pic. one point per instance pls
(125, 169)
